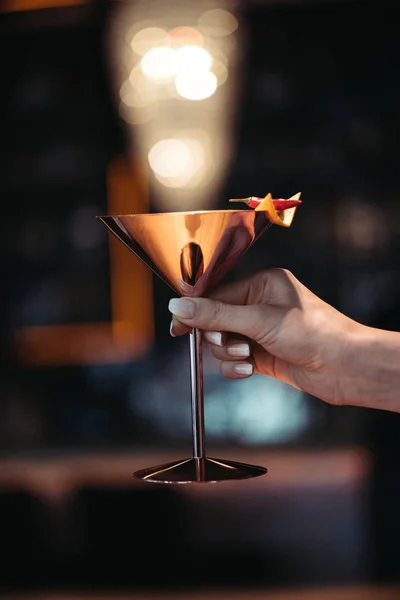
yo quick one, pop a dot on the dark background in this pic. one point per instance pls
(319, 114)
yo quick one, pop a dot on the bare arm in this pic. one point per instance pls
(273, 325)
(373, 369)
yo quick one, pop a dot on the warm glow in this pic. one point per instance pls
(169, 158)
(218, 23)
(158, 63)
(197, 86)
(220, 71)
(182, 36)
(137, 116)
(176, 66)
(361, 227)
(189, 66)
(178, 162)
(191, 60)
(135, 92)
(138, 99)
(149, 38)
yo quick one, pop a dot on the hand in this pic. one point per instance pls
(273, 325)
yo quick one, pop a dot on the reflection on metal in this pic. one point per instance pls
(200, 470)
(191, 252)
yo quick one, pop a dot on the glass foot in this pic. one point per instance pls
(199, 470)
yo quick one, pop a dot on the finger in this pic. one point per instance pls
(233, 350)
(211, 315)
(274, 286)
(178, 328)
(238, 292)
(215, 338)
(236, 370)
(235, 294)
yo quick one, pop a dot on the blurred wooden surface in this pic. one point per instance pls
(337, 593)
(61, 473)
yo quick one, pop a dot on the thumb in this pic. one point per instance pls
(252, 321)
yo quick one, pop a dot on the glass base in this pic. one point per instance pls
(199, 470)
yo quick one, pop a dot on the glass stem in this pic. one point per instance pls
(197, 395)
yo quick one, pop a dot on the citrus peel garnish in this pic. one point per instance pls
(283, 218)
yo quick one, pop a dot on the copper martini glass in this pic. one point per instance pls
(191, 252)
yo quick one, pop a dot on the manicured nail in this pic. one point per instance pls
(171, 329)
(243, 369)
(182, 307)
(214, 337)
(239, 350)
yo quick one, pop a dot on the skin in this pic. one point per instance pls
(273, 325)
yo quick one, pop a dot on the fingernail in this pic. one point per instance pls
(182, 307)
(171, 329)
(240, 350)
(243, 369)
(214, 337)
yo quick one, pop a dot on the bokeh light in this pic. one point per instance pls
(361, 227)
(217, 22)
(169, 158)
(220, 71)
(149, 38)
(182, 36)
(178, 162)
(175, 79)
(135, 92)
(159, 62)
(196, 86)
(137, 117)
(191, 60)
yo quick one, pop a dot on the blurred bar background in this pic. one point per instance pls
(137, 106)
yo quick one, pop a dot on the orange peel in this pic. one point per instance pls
(283, 218)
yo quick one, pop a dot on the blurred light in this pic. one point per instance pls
(220, 71)
(249, 419)
(192, 60)
(149, 38)
(361, 227)
(135, 92)
(217, 22)
(196, 86)
(137, 117)
(178, 163)
(185, 36)
(252, 411)
(178, 57)
(158, 63)
(136, 27)
(127, 94)
(218, 53)
(169, 158)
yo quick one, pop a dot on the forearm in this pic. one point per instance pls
(373, 367)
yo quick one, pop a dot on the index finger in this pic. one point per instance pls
(274, 286)
(238, 292)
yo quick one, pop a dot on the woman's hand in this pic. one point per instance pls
(273, 325)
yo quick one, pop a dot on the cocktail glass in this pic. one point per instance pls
(191, 252)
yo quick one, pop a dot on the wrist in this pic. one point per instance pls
(371, 368)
